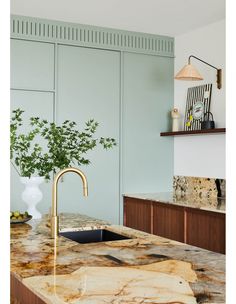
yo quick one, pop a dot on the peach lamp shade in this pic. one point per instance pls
(188, 72)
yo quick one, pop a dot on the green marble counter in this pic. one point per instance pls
(143, 269)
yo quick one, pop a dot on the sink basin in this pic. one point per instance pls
(93, 236)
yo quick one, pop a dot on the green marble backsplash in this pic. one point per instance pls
(199, 187)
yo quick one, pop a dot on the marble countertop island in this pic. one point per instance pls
(215, 204)
(143, 269)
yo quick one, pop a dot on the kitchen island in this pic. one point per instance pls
(143, 269)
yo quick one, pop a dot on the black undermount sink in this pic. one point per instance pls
(93, 236)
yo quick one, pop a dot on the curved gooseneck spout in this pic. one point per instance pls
(54, 216)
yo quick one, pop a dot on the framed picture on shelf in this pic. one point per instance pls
(197, 105)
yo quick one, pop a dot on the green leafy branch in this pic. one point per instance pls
(66, 145)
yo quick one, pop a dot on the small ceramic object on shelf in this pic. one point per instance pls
(175, 120)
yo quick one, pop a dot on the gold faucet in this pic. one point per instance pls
(54, 216)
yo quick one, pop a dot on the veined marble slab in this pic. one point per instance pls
(210, 204)
(101, 285)
(35, 255)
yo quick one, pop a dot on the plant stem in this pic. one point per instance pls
(15, 168)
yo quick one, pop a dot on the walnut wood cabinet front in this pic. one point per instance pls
(20, 294)
(138, 214)
(205, 229)
(201, 228)
(168, 221)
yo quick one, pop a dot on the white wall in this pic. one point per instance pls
(163, 17)
(201, 155)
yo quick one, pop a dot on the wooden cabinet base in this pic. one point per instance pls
(168, 221)
(205, 229)
(20, 294)
(201, 228)
(138, 215)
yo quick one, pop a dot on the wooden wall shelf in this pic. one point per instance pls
(194, 132)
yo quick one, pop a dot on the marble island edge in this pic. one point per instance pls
(36, 262)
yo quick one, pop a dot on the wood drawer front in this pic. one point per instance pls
(168, 221)
(20, 294)
(205, 229)
(137, 214)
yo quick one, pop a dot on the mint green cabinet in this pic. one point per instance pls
(129, 93)
(32, 65)
(147, 99)
(89, 87)
(32, 85)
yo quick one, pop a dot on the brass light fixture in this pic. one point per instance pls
(189, 72)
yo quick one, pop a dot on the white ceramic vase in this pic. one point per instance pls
(32, 194)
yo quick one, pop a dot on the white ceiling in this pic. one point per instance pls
(164, 17)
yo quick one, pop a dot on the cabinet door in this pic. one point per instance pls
(168, 221)
(205, 229)
(147, 159)
(32, 65)
(20, 294)
(88, 88)
(137, 214)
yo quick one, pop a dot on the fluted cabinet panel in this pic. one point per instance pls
(91, 36)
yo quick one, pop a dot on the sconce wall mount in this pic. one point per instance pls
(189, 72)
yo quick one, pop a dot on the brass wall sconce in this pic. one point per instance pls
(189, 72)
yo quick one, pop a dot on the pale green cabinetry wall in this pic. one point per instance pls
(32, 65)
(88, 87)
(121, 79)
(32, 89)
(148, 97)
